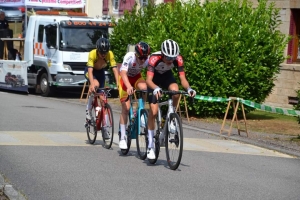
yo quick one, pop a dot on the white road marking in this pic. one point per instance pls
(32, 138)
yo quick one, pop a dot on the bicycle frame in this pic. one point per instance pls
(102, 96)
(169, 102)
(134, 122)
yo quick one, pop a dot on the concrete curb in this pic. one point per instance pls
(9, 191)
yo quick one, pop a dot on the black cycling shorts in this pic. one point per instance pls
(97, 74)
(161, 80)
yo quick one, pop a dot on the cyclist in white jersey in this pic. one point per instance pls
(130, 78)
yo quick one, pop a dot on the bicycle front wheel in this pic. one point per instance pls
(141, 140)
(174, 141)
(108, 128)
(91, 127)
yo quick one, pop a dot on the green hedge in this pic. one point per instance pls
(229, 48)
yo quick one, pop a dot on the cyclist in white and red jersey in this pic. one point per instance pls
(159, 75)
(130, 78)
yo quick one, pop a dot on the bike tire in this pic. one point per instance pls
(141, 140)
(128, 137)
(174, 142)
(91, 127)
(156, 143)
(110, 127)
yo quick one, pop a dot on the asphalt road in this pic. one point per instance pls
(44, 154)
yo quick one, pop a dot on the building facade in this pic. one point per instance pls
(287, 82)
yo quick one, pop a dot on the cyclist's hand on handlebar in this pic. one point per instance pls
(191, 92)
(157, 92)
(92, 88)
(130, 90)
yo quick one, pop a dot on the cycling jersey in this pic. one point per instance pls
(162, 72)
(98, 72)
(156, 64)
(93, 58)
(133, 69)
(131, 65)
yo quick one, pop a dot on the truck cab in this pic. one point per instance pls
(56, 47)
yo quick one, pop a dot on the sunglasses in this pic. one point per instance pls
(103, 53)
(143, 57)
(170, 58)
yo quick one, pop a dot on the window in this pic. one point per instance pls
(115, 6)
(40, 33)
(143, 3)
(294, 44)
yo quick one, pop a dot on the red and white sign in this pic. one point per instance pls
(44, 3)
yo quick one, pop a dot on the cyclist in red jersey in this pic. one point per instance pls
(159, 75)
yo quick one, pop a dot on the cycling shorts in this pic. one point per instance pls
(161, 80)
(123, 89)
(99, 75)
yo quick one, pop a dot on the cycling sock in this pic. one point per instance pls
(106, 120)
(89, 104)
(150, 138)
(122, 126)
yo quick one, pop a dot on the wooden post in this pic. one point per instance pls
(185, 105)
(83, 92)
(235, 106)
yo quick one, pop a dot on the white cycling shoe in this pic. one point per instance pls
(123, 144)
(150, 153)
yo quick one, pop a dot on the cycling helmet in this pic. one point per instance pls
(142, 49)
(170, 48)
(102, 45)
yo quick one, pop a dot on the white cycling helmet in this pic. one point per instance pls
(170, 48)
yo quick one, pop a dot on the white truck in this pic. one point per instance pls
(56, 48)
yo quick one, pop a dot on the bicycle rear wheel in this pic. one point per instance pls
(174, 141)
(91, 127)
(109, 127)
(141, 140)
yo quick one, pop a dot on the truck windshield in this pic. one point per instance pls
(80, 39)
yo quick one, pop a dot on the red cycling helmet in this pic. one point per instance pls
(142, 49)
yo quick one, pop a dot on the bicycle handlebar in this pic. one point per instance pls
(137, 91)
(171, 93)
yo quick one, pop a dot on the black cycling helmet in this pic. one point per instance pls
(102, 45)
(142, 49)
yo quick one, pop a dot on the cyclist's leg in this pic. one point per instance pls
(141, 85)
(158, 79)
(90, 99)
(124, 115)
(100, 76)
(151, 124)
(171, 84)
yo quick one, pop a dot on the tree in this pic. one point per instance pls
(229, 48)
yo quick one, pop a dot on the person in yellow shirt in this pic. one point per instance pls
(94, 72)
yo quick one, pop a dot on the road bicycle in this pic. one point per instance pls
(102, 118)
(137, 124)
(169, 132)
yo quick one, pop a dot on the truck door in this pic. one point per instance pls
(45, 46)
(51, 49)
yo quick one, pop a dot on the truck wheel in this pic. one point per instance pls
(46, 90)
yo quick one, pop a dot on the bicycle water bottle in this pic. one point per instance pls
(134, 108)
(98, 109)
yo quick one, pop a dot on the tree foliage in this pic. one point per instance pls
(229, 48)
